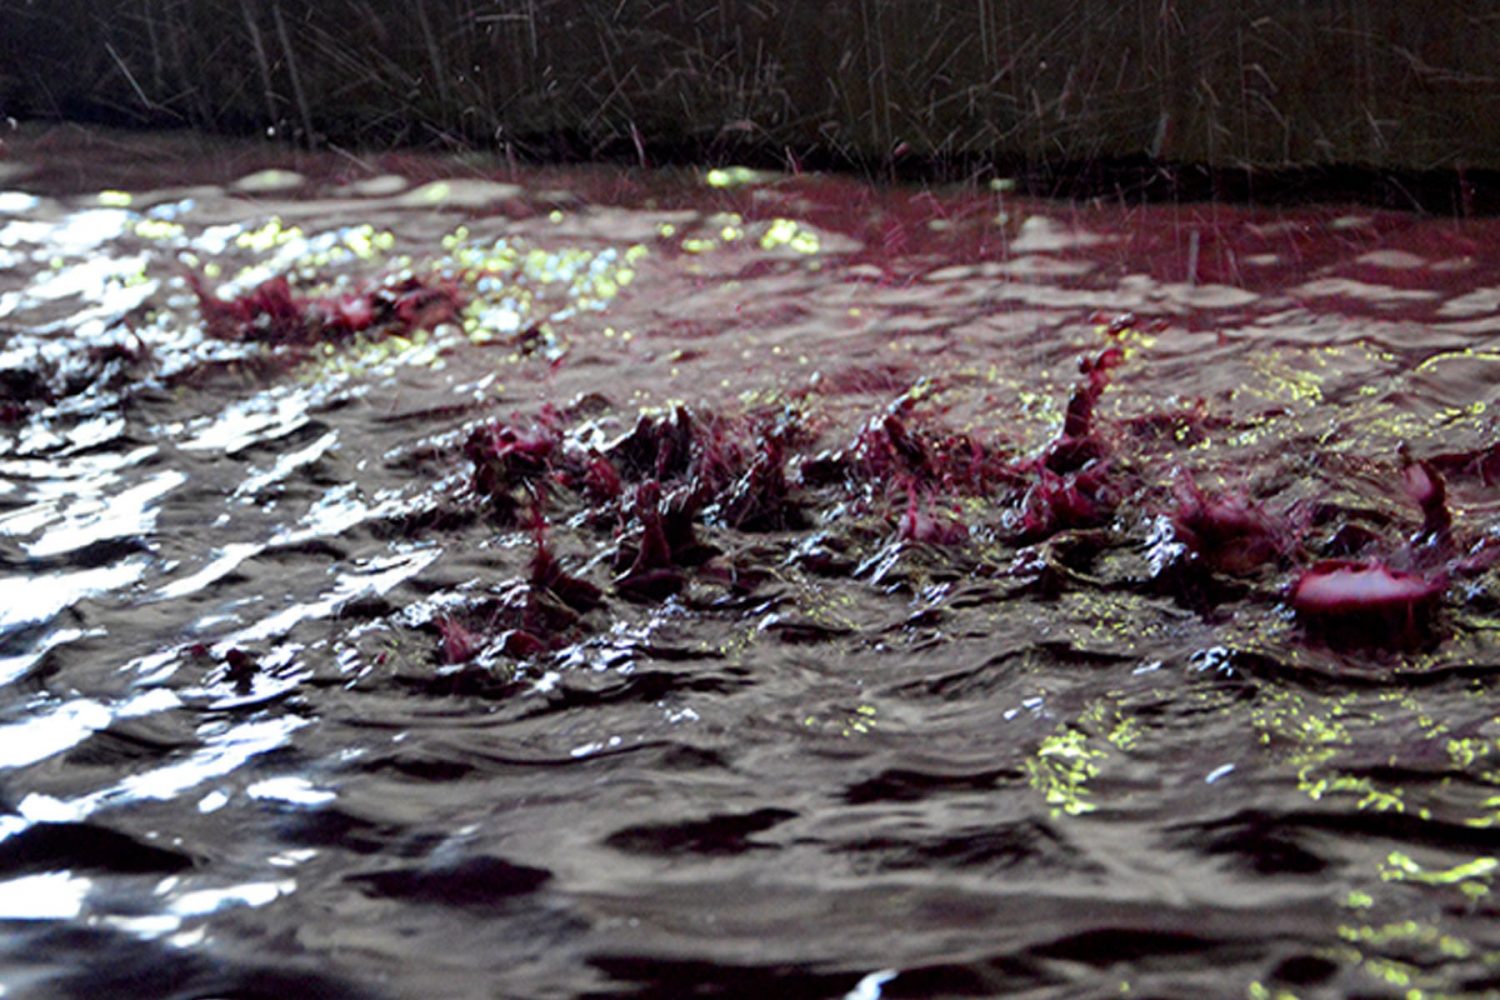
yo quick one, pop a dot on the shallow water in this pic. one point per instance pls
(235, 760)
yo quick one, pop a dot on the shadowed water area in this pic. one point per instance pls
(654, 585)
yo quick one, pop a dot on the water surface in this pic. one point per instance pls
(836, 761)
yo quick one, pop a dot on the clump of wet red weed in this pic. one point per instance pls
(1227, 533)
(459, 642)
(509, 461)
(1072, 485)
(273, 313)
(654, 493)
(535, 615)
(654, 489)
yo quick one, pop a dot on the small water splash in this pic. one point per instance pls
(128, 514)
(39, 597)
(871, 987)
(225, 748)
(290, 790)
(47, 896)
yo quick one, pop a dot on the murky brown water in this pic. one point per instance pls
(830, 760)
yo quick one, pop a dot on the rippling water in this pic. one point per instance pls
(236, 760)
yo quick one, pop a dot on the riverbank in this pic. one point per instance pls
(1053, 92)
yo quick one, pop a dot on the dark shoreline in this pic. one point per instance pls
(146, 156)
(1383, 103)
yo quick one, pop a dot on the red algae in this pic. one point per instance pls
(1345, 587)
(760, 499)
(919, 524)
(272, 313)
(653, 569)
(1366, 602)
(1071, 485)
(506, 460)
(459, 643)
(1228, 534)
(891, 455)
(240, 669)
(532, 617)
(659, 447)
(680, 471)
(548, 577)
(1370, 601)
(676, 471)
(1425, 485)
(1056, 503)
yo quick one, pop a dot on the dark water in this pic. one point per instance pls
(832, 761)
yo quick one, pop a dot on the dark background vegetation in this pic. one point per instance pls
(1388, 85)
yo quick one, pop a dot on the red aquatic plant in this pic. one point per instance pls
(892, 450)
(549, 577)
(891, 446)
(411, 304)
(269, 312)
(1227, 534)
(601, 480)
(1371, 601)
(760, 499)
(1366, 602)
(459, 643)
(272, 313)
(919, 524)
(1057, 503)
(533, 616)
(1077, 444)
(1070, 481)
(506, 457)
(658, 447)
(1425, 485)
(241, 669)
(655, 569)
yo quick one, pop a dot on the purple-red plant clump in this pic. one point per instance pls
(659, 447)
(675, 471)
(1370, 601)
(1056, 503)
(676, 474)
(1078, 444)
(892, 456)
(548, 578)
(1425, 485)
(1227, 534)
(272, 313)
(459, 643)
(654, 551)
(760, 499)
(1072, 486)
(507, 459)
(533, 617)
(1366, 602)
(920, 524)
